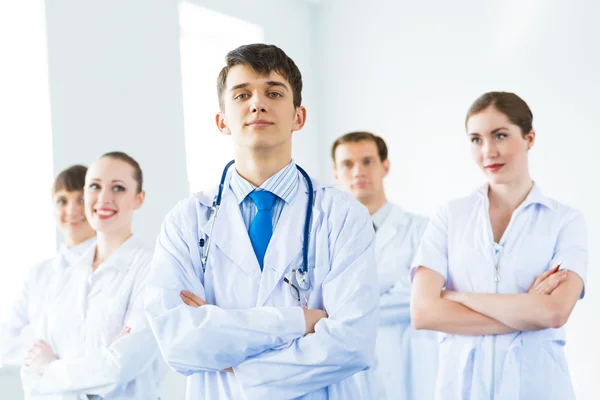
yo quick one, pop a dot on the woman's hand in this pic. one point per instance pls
(39, 356)
(548, 281)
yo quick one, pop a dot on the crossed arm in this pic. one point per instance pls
(547, 304)
(311, 316)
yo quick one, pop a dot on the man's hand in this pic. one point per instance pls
(312, 317)
(548, 281)
(39, 356)
(191, 299)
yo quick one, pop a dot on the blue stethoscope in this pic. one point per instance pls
(301, 275)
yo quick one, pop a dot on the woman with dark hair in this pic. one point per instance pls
(94, 341)
(43, 280)
(499, 272)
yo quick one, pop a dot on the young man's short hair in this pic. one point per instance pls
(264, 59)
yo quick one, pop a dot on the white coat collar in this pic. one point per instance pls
(206, 198)
(121, 259)
(381, 214)
(68, 256)
(535, 196)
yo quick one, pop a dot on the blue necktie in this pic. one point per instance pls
(261, 228)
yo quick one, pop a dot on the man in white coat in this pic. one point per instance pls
(406, 359)
(226, 301)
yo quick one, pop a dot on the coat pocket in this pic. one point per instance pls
(544, 371)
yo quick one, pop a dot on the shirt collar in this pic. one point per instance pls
(71, 255)
(381, 214)
(535, 196)
(121, 259)
(284, 184)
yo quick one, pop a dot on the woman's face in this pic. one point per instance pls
(498, 146)
(111, 195)
(70, 216)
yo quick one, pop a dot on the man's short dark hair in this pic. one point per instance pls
(264, 59)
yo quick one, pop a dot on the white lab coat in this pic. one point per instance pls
(458, 244)
(252, 322)
(80, 320)
(43, 280)
(406, 359)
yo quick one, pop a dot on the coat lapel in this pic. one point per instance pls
(230, 236)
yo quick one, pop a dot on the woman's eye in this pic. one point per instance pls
(118, 188)
(94, 186)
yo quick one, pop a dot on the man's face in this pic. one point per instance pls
(259, 111)
(359, 170)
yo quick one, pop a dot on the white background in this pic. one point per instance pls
(108, 76)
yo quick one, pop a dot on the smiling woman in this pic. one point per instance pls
(113, 192)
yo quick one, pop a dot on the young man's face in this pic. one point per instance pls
(359, 170)
(259, 111)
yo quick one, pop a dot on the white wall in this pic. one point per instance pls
(409, 70)
(405, 70)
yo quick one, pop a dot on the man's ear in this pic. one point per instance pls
(386, 167)
(222, 124)
(299, 118)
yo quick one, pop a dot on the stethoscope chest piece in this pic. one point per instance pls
(302, 279)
